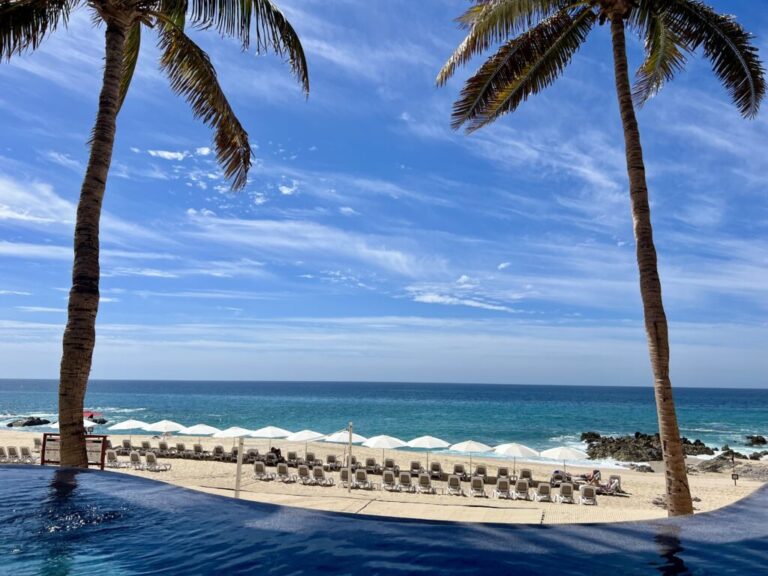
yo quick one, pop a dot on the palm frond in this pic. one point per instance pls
(492, 21)
(664, 52)
(272, 29)
(24, 24)
(726, 44)
(521, 67)
(130, 57)
(192, 76)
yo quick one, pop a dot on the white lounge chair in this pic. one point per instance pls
(283, 474)
(388, 482)
(343, 477)
(526, 474)
(303, 475)
(13, 455)
(218, 452)
(566, 494)
(371, 466)
(135, 461)
(481, 470)
(331, 462)
(543, 493)
(154, 466)
(318, 475)
(425, 485)
(3, 455)
(26, 455)
(405, 484)
(587, 495)
(361, 480)
(460, 471)
(436, 471)
(521, 490)
(477, 487)
(38, 445)
(260, 472)
(502, 489)
(416, 468)
(454, 486)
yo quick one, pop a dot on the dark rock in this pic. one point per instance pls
(758, 455)
(638, 447)
(728, 454)
(590, 437)
(99, 420)
(30, 421)
(756, 440)
(714, 465)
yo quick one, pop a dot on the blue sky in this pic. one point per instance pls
(372, 242)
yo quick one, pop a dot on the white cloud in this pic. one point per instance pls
(288, 190)
(37, 309)
(432, 298)
(146, 272)
(348, 211)
(26, 250)
(63, 160)
(503, 266)
(168, 154)
(203, 151)
(14, 293)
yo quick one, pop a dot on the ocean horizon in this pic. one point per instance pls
(540, 416)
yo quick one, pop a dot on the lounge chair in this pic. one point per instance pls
(436, 471)
(181, 449)
(388, 481)
(319, 477)
(343, 477)
(251, 455)
(3, 455)
(145, 447)
(113, 462)
(481, 470)
(416, 468)
(460, 471)
(218, 452)
(271, 459)
(558, 478)
(125, 448)
(198, 453)
(303, 474)
(38, 445)
(566, 494)
(389, 464)
(588, 495)
(232, 456)
(283, 474)
(154, 466)
(405, 484)
(477, 487)
(292, 459)
(543, 493)
(425, 484)
(521, 490)
(260, 472)
(332, 463)
(454, 486)
(163, 449)
(26, 455)
(354, 463)
(526, 474)
(503, 472)
(135, 461)
(502, 489)
(371, 466)
(614, 485)
(13, 454)
(310, 459)
(361, 480)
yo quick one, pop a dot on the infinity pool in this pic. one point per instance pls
(72, 522)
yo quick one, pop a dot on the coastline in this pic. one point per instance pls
(714, 490)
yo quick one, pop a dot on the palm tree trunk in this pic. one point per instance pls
(678, 492)
(80, 334)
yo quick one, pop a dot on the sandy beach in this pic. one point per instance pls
(710, 490)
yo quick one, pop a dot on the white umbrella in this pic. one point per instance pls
(516, 451)
(199, 430)
(428, 443)
(470, 446)
(86, 424)
(233, 432)
(564, 453)
(129, 425)
(342, 437)
(270, 432)
(165, 427)
(384, 442)
(305, 436)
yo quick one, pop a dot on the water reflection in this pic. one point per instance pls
(59, 512)
(667, 539)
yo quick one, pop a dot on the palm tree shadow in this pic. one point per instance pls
(668, 540)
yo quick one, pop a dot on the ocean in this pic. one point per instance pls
(538, 416)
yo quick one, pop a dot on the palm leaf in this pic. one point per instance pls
(272, 30)
(521, 67)
(24, 24)
(665, 53)
(726, 44)
(493, 21)
(192, 76)
(130, 57)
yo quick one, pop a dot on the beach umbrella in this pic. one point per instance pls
(564, 453)
(165, 427)
(516, 451)
(233, 432)
(199, 430)
(342, 437)
(270, 432)
(384, 442)
(470, 446)
(86, 424)
(305, 436)
(129, 425)
(428, 443)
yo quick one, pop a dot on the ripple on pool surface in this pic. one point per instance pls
(60, 521)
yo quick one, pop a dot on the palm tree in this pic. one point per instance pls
(545, 34)
(24, 24)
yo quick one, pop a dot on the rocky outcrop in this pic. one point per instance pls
(756, 441)
(30, 421)
(636, 448)
(98, 420)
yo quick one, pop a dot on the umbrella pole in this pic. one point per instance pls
(349, 462)
(239, 467)
(514, 466)
(427, 460)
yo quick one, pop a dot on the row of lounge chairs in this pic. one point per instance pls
(150, 462)
(14, 455)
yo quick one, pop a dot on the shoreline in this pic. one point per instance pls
(714, 490)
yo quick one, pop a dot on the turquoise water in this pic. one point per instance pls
(538, 416)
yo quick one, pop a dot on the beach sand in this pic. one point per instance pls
(711, 490)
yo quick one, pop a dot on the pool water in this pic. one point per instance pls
(70, 522)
